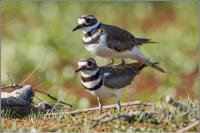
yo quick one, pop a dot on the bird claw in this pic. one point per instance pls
(112, 61)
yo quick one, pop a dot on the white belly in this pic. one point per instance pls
(105, 92)
(102, 50)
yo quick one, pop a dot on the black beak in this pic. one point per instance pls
(78, 27)
(79, 69)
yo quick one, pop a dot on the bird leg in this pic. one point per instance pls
(112, 61)
(123, 63)
(100, 105)
(118, 105)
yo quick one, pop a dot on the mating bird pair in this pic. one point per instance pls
(110, 42)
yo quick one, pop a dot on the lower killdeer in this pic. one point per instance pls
(107, 81)
(112, 42)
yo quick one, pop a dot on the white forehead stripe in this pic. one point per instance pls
(81, 21)
(82, 63)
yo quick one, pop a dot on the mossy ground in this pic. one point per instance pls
(166, 118)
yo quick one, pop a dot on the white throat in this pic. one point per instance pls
(87, 73)
(89, 28)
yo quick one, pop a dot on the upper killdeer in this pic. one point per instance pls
(107, 81)
(112, 42)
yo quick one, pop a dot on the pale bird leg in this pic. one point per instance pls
(100, 105)
(119, 105)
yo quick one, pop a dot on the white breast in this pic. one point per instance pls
(100, 48)
(104, 92)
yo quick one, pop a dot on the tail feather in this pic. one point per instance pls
(158, 68)
(153, 65)
(141, 41)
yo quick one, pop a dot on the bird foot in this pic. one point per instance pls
(112, 61)
(101, 116)
(122, 63)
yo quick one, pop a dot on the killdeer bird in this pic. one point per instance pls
(107, 81)
(112, 42)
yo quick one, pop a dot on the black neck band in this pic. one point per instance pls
(96, 86)
(88, 79)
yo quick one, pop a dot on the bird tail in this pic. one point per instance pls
(138, 55)
(153, 65)
(141, 41)
(140, 65)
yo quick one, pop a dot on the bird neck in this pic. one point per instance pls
(91, 80)
(89, 29)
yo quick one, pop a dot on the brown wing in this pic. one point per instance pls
(119, 76)
(118, 39)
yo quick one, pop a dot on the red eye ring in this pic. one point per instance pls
(89, 63)
(87, 20)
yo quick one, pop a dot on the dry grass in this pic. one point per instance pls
(162, 118)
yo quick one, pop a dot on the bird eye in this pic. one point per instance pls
(89, 63)
(87, 20)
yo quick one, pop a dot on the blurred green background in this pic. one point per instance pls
(33, 31)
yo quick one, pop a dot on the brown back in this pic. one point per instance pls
(118, 39)
(120, 76)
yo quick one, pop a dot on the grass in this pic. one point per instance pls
(164, 118)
